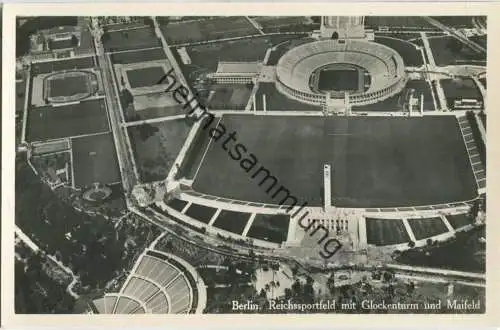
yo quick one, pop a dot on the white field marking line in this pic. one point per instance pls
(339, 134)
(205, 154)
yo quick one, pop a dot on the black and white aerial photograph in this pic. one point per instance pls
(250, 164)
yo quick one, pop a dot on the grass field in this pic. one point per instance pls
(130, 39)
(410, 54)
(399, 22)
(46, 123)
(338, 80)
(208, 29)
(156, 147)
(455, 21)
(177, 204)
(94, 160)
(427, 227)
(200, 212)
(459, 220)
(234, 97)
(270, 227)
(481, 40)
(460, 88)
(232, 221)
(272, 24)
(275, 101)
(144, 77)
(449, 51)
(71, 64)
(144, 55)
(425, 164)
(68, 86)
(382, 232)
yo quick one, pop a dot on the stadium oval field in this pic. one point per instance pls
(384, 66)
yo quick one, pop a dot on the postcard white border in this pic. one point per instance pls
(492, 315)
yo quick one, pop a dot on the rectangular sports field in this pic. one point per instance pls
(376, 161)
(152, 54)
(208, 29)
(45, 123)
(145, 77)
(380, 232)
(94, 160)
(130, 39)
(156, 147)
(68, 86)
(335, 80)
(59, 65)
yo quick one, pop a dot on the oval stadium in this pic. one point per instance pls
(373, 72)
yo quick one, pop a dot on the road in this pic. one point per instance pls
(456, 34)
(32, 245)
(112, 101)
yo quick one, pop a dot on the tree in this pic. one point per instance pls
(105, 37)
(74, 41)
(263, 293)
(411, 244)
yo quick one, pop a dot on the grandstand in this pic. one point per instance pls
(384, 65)
(158, 284)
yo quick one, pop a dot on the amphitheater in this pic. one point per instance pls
(159, 283)
(384, 65)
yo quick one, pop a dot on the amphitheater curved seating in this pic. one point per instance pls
(140, 288)
(159, 271)
(159, 284)
(126, 305)
(158, 304)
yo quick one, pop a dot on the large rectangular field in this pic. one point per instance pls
(338, 79)
(208, 29)
(380, 232)
(448, 50)
(65, 64)
(144, 77)
(94, 160)
(45, 123)
(376, 161)
(130, 39)
(427, 227)
(156, 147)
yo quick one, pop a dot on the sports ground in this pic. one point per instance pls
(45, 123)
(68, 86)
(143, 77)
(94, 160)
(376, 162)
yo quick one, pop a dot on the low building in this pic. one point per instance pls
(236, 72)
